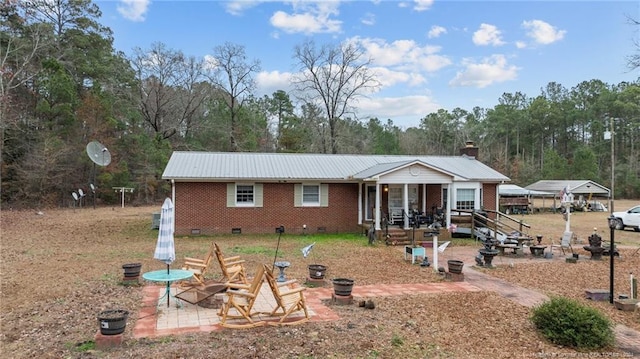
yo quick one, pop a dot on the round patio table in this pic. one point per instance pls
(169, 276)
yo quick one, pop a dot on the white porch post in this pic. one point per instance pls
(449, 201)
(405, 204)
(435, 253)
(378, 204)
(424, 198)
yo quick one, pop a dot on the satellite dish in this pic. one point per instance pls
(98, 153)
(75, 195)
(81, 192)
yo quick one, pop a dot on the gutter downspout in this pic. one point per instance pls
(173, 199)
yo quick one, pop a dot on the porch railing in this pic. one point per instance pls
(500, 224)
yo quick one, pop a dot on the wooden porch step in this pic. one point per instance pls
(397, 236)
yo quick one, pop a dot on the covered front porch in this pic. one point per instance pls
(406, 193)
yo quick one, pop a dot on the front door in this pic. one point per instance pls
(371, 202)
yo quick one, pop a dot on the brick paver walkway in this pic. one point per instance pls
(164, 321)
(627, 338)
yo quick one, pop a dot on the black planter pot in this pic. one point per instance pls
(342, 286)
(131, 269)
(455, 266)
(112, 321)
(316, 271)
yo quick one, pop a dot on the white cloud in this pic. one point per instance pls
(422, 5)
(542, 32)
(309, 17)
(134, 10)
(521, 44)
(237, 7)
(432, 63)
(396, 108)
(369, 19)
(491, 70)
(488, 34)
(269, 82)
(436, 31)
(388, 77)
(404, 54)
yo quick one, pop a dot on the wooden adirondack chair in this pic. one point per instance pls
(199, 266)
(232, 267)
(240, 299)
(288, 301)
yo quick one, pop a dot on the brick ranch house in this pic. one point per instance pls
(218, 193)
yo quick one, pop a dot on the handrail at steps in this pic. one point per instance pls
(503, 223)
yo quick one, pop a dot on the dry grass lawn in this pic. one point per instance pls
(61, 268)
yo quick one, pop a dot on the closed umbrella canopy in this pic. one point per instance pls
(165, 248)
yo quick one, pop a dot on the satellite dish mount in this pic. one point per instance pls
(100, 156)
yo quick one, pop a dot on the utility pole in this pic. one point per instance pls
(613, 159)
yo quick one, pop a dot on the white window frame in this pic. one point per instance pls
(315, 203)
(467, 191)
(251, 203)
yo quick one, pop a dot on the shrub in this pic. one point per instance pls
(566, 322)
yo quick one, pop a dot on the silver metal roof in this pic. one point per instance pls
(512, 190)
(575, 186)
(217, 166)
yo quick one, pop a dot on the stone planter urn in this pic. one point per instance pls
(342, 286)
(112, 321)
(317, 271)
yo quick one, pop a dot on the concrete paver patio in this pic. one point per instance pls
(156, 319)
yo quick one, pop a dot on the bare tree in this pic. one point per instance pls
(22, 44)
(233, 76)
(334, 76)
(633, 61)
(169, 94)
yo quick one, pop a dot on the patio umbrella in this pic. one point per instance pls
(165, 248)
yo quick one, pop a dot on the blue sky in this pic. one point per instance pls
(428, 54)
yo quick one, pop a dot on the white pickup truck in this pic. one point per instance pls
(629, 218)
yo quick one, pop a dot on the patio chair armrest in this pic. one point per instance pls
(287, 283)
(233, 262)
(292, 291)
(197, 265)
(241, 294)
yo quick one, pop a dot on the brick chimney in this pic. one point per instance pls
(469, 149)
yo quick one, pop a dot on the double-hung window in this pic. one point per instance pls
(244, 195)
(465, 198)
(310, 195)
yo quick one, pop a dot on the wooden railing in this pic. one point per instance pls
(496, 221)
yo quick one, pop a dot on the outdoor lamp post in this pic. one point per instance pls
(612, 228)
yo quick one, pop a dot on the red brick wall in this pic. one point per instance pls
(434, 197)
(203, 207)
(489, 193)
